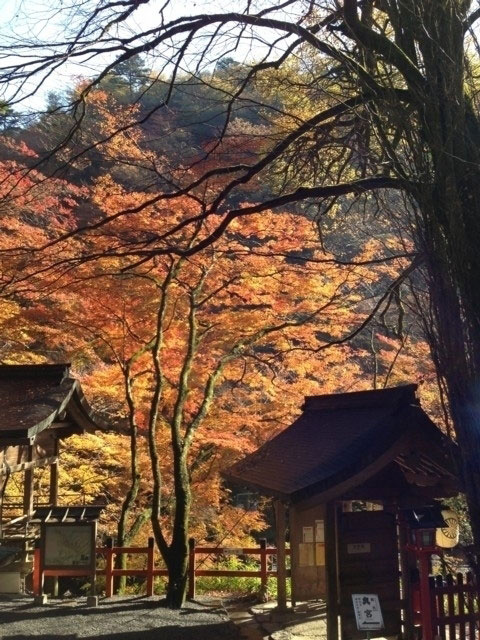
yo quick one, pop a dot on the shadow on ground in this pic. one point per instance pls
(116, 619)
(205, 632)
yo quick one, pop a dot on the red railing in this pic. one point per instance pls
(263, 572)
(150, 572)
(455, 606)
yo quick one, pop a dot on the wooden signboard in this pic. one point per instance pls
(367, 611)
(368, 562)
(68, 545)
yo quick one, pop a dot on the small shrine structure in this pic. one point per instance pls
(41, 405)
(343, 476)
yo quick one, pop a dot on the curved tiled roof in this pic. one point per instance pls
(336, 437)
(33, 397)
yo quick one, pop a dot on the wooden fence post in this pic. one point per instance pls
(150, 565)
(37, 571)
(191, 569)
(450, 605)
(461, 606)
(109, 568)
(440, 607)
(433, 606)
(472, 607)
(425, 598)
(263, 566)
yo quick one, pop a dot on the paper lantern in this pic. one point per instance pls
(447, 537)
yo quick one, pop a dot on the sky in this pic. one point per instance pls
(44, 22)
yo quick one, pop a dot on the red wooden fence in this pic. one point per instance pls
(150, 572)
(456, 607)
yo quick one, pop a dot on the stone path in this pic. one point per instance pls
(263, 622)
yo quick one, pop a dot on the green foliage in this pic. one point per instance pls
(127, 80)
(9, 119)
(459, 505)
(233, 585)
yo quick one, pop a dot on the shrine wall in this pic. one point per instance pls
(307, 544)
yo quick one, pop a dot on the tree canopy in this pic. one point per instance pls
(360, 115)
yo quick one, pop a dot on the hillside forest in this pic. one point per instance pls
(195, 359)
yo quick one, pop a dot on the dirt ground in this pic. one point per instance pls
(119, 618)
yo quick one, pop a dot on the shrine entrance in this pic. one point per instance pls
(342, 475)
(368, 555)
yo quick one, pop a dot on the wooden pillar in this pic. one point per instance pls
(191, 568)
(331, 561)
(3, 486)
(53, 501)
(405, 570)
(37, 570)
(280, 530)
(150, 566)
(294, 559)
(264, 566)
(28, 486)
(53, 492)
(109, 568)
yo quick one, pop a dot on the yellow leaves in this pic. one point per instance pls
(219, 306)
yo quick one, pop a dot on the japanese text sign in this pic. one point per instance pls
(367, 611)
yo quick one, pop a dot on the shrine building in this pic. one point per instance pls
(343, 478)
(41, 405)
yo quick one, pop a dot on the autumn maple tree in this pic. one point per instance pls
(397, 110)
(185, 335)
(180, 274)
(203, 356)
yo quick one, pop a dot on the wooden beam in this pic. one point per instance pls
(331, 560)
(28, 485)
(11, 441)
(64, 425)
(26, 466)
(53, 490)
(280, 530)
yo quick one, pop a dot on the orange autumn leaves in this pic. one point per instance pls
(244, 335)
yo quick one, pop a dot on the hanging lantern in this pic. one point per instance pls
(447, 537)
(423, 523)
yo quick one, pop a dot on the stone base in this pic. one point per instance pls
(41, 600)
(92, 601)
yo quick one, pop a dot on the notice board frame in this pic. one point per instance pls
(46, 526)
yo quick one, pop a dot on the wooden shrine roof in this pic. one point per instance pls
(83, 513)
(341, 440)
(36, 397)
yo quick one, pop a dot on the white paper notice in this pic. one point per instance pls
(367, 611)
(307, 534)
(319, 530)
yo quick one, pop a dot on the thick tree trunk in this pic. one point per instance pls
(443, 158)
(178, 552)
(177, 572)
(455, 358)
(123, 537)
(451, 240)
(466, 411)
